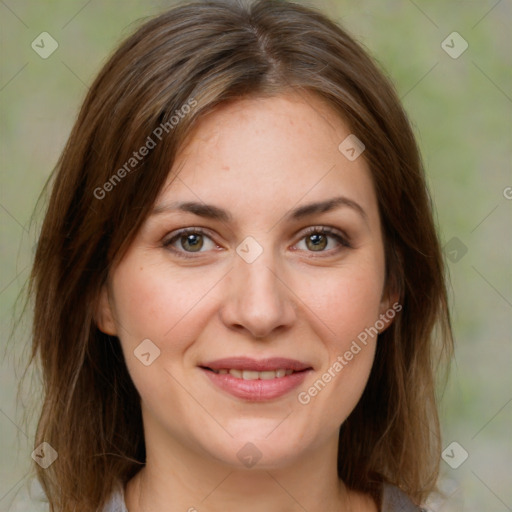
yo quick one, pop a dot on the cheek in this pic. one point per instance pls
(330, 397)
(345, 302)
(168, 308)
(152, 301)
(152, 305)
(350, 309)
(346, 306)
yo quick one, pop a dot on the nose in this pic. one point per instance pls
(258, 300)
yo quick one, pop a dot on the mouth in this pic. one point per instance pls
(256, 380)
(253, 375)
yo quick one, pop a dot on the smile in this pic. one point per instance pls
(253, 375)
(256, 380)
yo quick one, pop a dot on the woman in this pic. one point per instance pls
(238, 277)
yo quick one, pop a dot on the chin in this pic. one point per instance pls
(255, 446)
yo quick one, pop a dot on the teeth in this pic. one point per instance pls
(249, 375)
(252, 375)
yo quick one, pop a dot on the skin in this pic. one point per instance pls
(257, 158)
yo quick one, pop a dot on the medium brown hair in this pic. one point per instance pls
(209, 53)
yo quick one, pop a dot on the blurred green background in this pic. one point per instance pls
(461, 109)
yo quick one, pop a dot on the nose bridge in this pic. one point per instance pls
(259, 301)
(260, 279)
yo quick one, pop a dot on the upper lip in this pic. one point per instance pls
(257, 365)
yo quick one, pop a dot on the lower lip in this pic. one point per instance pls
(257, 390)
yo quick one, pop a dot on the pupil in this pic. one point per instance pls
(193, 241)
(318, 241)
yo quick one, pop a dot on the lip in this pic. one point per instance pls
(257, 365)
(256, 390)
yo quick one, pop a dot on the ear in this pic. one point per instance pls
(389, 307)
(104, 316)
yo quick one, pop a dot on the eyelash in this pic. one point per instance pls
(314, 230)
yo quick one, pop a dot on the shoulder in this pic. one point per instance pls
(395, 500)
(30, 496)
(116, 501)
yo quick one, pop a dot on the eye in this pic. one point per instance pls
(186, 242)
(317, 239)
(189, 240)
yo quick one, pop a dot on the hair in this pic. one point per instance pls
(205, 54)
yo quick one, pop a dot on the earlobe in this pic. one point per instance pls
(104, 316)
(389, 307)
(388, 302)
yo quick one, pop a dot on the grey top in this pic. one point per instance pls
(116, 503)
(393, 500)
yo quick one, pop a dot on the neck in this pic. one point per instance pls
(180, 476)
(179, 479)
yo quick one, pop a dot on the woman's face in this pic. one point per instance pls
(245, 336)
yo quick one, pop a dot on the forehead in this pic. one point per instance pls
(261, 154)
(269, 127)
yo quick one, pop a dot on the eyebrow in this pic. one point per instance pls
(210, 211)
